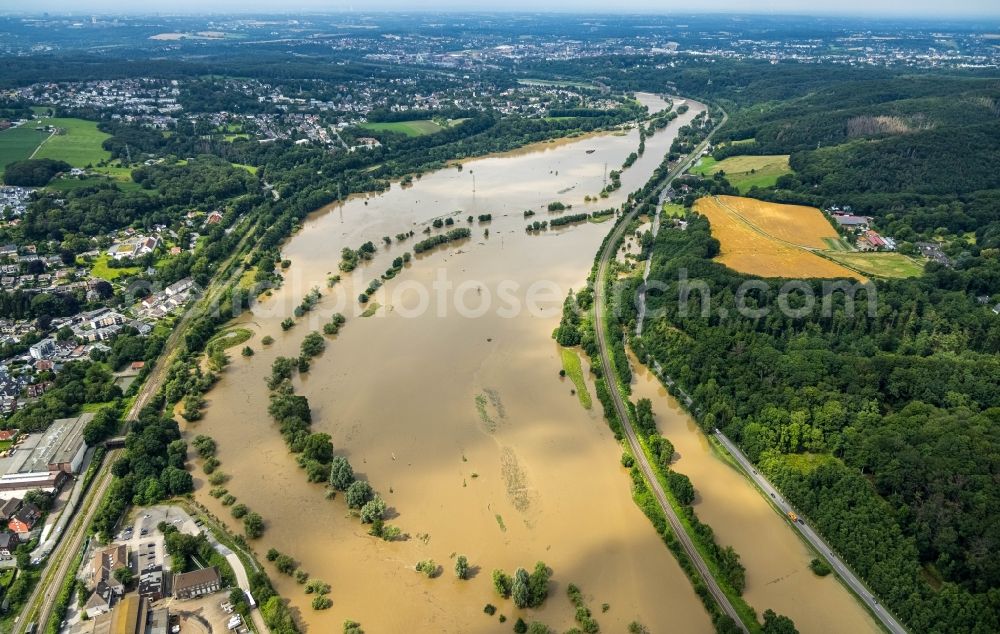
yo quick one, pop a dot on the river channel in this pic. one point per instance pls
(448, 400)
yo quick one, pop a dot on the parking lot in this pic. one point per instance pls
(202, 616)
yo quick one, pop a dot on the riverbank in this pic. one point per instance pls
(505, 493)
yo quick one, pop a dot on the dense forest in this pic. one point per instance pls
(33, 172)
(883, 428)
(916, 149)
(168, 192)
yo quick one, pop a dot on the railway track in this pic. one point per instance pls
(600, 305)
(38, 608)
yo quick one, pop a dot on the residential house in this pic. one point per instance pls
(8, 544)
(37, 389)
(43, 349)
(24, 519)
(8, 508)
(148, 245)
(107, 589)
(179, 287)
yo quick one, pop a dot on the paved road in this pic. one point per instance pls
(58, 566)
(654, 229)
(817, 542)
(600, 326)
(151, 517)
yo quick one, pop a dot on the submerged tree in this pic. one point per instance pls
(341, 473)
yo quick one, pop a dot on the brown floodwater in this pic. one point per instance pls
(776, 560)
(459, 419)
(448, 400)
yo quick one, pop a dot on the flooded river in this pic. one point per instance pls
(777, 562)
(448, 400)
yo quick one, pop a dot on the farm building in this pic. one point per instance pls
(852, 222)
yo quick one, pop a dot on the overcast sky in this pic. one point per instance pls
(961, 8)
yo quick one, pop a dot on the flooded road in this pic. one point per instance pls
(777, 562)
(448, 400)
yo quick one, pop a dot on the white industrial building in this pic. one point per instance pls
(43, 460)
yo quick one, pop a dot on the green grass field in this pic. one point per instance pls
(838, 244)
(879, 264)
(70, 184)
(102, 270)
(93, 408)
(419, 127)
(805, 463)
(79, 146)
(599, 219)
(228, 339)
(745, 172)
(17, 144)
(673, 210)
(121, 176)
(574, 370)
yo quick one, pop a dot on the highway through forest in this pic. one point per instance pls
(817, 542)
(600, 326)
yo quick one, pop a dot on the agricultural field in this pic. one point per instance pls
(837, 244)
(802, 226)
(880, 264)
(419, 127)
(749, 248)
(17, 144)
(746, 172)
(79, 145)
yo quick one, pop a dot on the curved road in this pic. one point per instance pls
(608, 252)
(815, 540)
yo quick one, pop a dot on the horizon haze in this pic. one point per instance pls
(847, 8)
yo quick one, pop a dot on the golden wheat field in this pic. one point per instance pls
(804, 226)
(769, 239)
